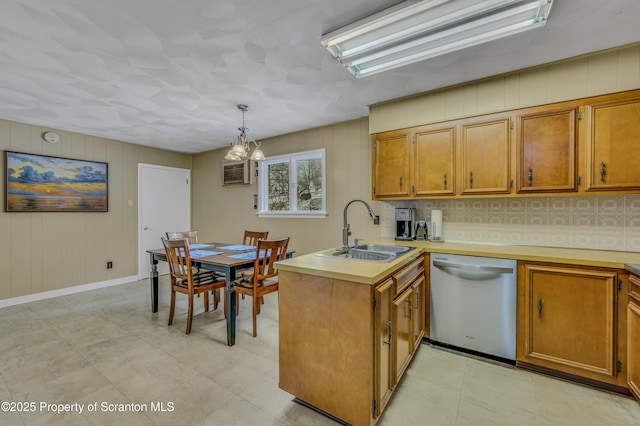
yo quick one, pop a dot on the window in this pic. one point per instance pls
(293, 185)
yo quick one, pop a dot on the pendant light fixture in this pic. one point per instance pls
(241, 146)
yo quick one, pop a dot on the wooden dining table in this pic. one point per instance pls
(219, 257)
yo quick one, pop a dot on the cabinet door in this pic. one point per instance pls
(613, 137)
(633, 336)
(547, 151)
(419, 291)
(435, 161)
(391, 164)
(384, 373)
(570, 320)
(403, 335)
(485, 157)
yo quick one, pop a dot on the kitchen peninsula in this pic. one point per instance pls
(349, 328)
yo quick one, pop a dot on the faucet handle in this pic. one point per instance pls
(356, 241)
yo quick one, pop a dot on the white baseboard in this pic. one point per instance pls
(65, 291)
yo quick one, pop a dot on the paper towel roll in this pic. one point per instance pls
(436, 224)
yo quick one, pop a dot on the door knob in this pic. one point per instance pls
(148, 228)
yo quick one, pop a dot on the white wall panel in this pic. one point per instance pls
(52, 251)
(612, 71)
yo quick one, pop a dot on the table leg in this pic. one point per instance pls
(231, 311)
(153, 280)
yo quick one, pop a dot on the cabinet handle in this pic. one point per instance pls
(540, 307)
(602, 172)
(445, 181)
(389, 333)
(400, 182)
(470, 179)
(410, 308)
(417, 301)
(530, 176)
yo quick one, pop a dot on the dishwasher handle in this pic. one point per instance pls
(474, 268)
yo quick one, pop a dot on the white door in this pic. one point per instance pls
(164, 205)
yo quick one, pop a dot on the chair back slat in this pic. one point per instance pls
(179, 259)
(273, 250)
(251, 237)
(191, 236)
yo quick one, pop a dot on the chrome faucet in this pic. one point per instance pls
(345, 225)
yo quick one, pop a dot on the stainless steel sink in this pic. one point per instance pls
(369, 252)
(396, 250)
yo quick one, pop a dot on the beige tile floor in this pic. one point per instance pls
(106, 347)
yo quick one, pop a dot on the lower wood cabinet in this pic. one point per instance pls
(403, 338)
(343, 345)
(400, 322)
(633, 336)
(420, 314)
(572, 320)
(385, 375)
(409, 317)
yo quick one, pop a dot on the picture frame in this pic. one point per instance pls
(43, 183)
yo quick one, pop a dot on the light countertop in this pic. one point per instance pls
(371, 272)
(634, 268)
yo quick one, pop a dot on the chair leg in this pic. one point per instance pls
(216, 298)
(238, 304)
(173, 306)
(256, 308)
(224, 302)
(206, 301)
(190, 313)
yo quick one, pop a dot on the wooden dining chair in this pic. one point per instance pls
(251, 237)
(182, 278)
(191, 236)
(264, 279)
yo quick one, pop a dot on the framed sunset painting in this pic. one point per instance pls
(41, 183)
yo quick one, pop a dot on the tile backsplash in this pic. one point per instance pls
(604, 222)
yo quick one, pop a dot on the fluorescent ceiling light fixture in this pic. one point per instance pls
(413, 31)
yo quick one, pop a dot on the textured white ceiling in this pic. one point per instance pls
(169, 73)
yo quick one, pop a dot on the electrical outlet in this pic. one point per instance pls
(109, 265)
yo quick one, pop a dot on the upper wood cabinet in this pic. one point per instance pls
(546, 150)
(584, 145)
(485, 147)
(391, 164)
(435, 156)
(612, 139)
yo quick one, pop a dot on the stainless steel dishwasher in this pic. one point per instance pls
(473, 304)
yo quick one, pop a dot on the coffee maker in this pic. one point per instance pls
(404, 223)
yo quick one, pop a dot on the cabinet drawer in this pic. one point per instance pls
(634, 289)
(405, 276)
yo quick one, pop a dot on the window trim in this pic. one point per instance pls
(291, 159)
